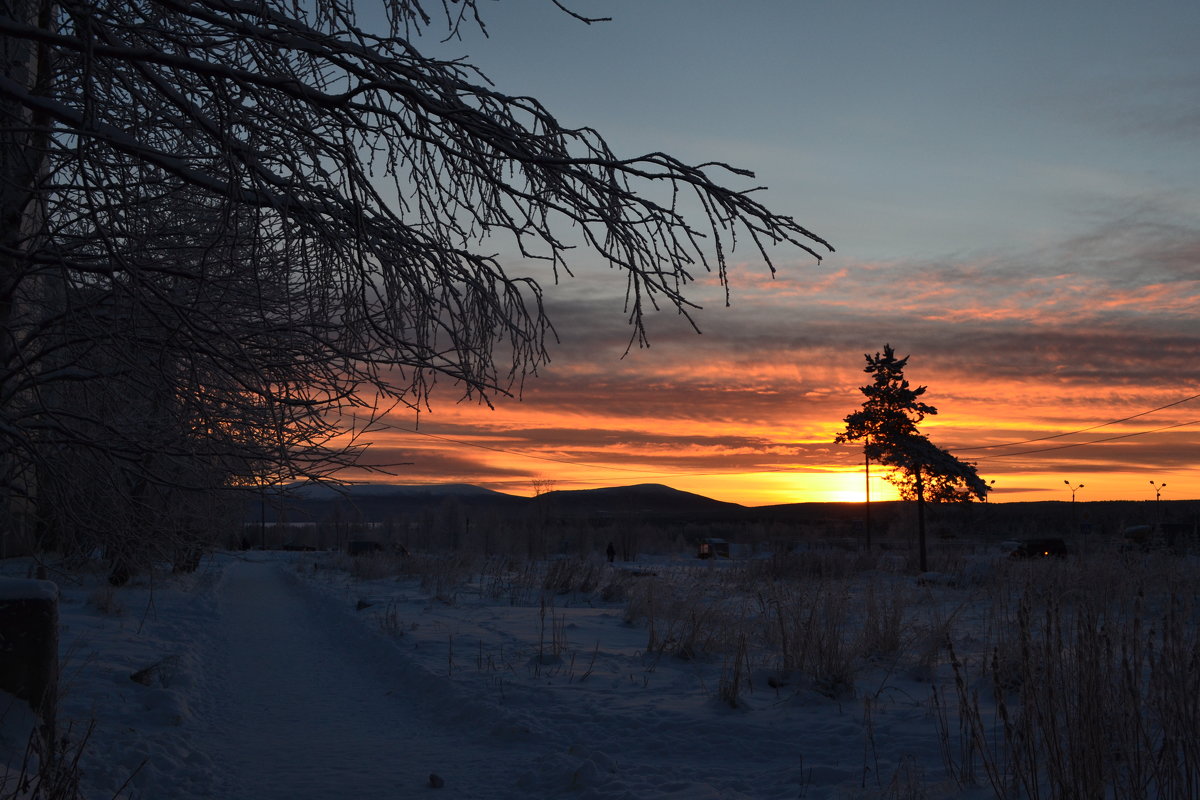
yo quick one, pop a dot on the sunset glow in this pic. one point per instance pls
(772, 441)
(747, 411)
(1022, 223)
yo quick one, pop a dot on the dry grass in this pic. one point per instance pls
(807, 627)
(1094, 685)
(106, 599)
(1048, 679)
(573, 576)
(49, 768)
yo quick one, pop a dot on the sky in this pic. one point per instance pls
(1013, 194)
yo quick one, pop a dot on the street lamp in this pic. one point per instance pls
(1074, 516)
(1158, 487)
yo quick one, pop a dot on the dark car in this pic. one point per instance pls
(363, 547)
(1039, 548)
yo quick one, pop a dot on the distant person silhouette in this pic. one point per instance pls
(612, 552)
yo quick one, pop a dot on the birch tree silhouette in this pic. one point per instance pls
(247, 215)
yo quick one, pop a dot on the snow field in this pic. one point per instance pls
(315, 675)
(639, 680)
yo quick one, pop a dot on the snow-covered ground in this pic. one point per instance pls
(269, 675)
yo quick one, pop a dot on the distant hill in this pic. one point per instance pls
(659, 504)
(643, 498)
(376, 502)
(377, 490)
(648, 502)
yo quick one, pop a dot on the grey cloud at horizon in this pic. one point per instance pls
(697, 451)
(443, 461)
(1080, 342)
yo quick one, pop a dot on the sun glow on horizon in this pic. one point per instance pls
(778, 487)
(850, 487)
(769, 448)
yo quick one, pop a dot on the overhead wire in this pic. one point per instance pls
(1096, 441)
(1081, 430)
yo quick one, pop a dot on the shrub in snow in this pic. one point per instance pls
(160, 673)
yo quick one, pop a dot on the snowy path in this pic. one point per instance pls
(279, 688)
(298, 712)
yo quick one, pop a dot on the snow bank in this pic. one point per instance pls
(27, 589)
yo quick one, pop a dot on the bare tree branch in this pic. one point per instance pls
(238, 215)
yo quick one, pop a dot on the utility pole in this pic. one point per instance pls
(867, 465)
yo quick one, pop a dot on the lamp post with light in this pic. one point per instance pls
(1158, 487)
(1074, 515)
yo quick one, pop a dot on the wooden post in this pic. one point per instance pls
(29, 647)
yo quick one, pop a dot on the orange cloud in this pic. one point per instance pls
(1013, 347)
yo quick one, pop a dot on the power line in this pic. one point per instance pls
(1081, 430)
(1096, 441)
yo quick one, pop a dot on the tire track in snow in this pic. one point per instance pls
(307, 707)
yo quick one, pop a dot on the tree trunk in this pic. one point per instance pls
(867, 465)
(921, 518)
(23, 142)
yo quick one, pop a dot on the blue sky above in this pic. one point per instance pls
(895, 130)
